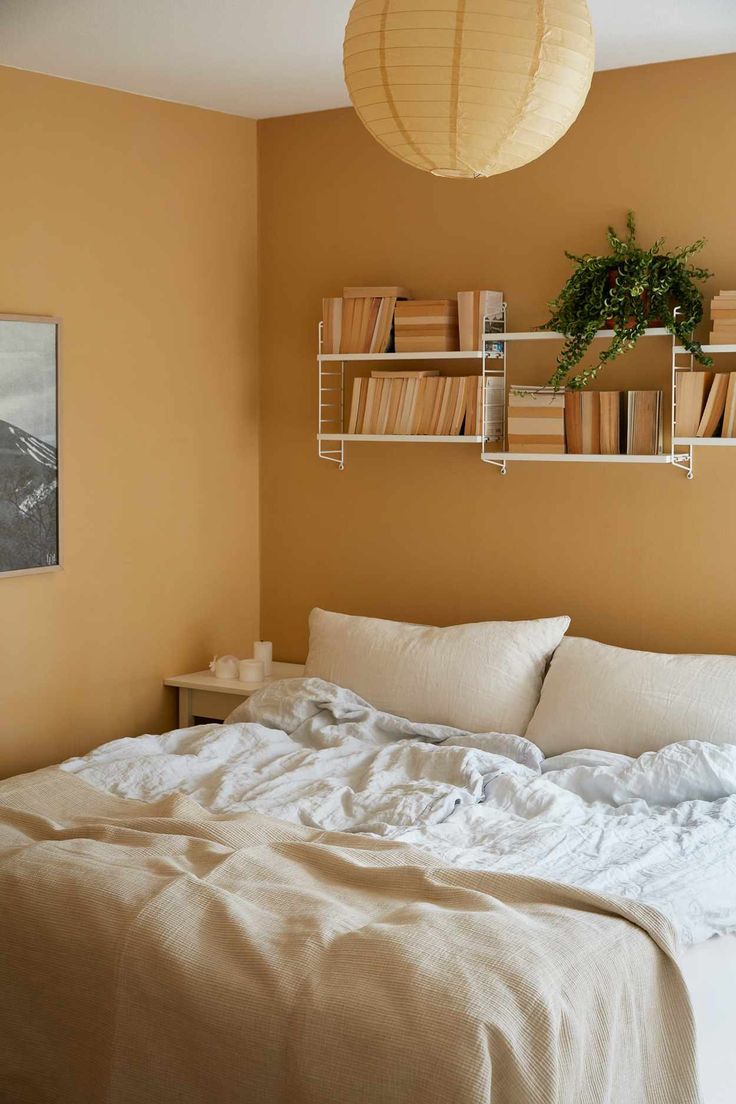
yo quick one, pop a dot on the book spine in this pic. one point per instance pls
(355, 405)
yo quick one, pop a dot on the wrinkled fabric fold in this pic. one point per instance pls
(660, 830)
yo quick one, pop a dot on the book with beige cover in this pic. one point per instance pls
(392, 292)
(729, 414)
(331, 325)
(583, 422)
(715, 406)
(427, 394)
(644, 423)
(458, 405)
(372, 404)
(404, 373)
(406, 407)
(692, 392)
(358, 389)
(382, 331)
(473, 308)
(611, 404)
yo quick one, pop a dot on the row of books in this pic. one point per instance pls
(424, 403)
(361, 321)
(723, 318)
(609, 423)
(705, 404)
(387, 319)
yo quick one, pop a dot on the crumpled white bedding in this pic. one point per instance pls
(660, 829)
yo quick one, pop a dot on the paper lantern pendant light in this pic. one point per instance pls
(468, 88)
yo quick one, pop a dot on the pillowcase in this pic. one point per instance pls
(482, 677)
(615, 699)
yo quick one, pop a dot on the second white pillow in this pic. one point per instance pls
(615, 699)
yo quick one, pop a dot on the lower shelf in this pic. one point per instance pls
(389, 438)
(533, 457)
(723, 442)
(681, 459)
(578, 458)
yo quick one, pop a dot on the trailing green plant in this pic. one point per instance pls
(626, 290)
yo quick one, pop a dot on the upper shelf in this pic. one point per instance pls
(708, 349)
(553, 335)
(476, 354)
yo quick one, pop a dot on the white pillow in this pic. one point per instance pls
(482, 677)
(615, 699)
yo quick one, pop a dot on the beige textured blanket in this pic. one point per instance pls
(154, 954)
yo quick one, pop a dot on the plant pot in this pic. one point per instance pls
(610, 322)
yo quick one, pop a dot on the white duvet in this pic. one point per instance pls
(660, 829)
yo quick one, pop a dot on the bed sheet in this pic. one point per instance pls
(709, 970)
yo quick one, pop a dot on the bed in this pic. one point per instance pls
(326, 899)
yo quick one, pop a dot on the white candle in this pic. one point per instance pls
(263, 650)
(251, 670)
(224, 667)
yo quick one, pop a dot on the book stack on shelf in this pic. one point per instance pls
(706, 404)
(423, 403)
(427, 326)
(613, 423)
(609, 423)
(723, 318)
(536, 420)
(386, 319)
(362, 320)
(473, 308)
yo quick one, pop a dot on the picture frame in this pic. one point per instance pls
(30, 445)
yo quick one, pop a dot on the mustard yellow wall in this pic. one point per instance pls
(637, 555)
(136, 222)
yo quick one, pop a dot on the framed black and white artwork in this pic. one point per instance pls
(29, 444)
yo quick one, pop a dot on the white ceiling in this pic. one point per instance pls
(277, 57)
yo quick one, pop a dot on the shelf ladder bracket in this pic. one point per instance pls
(681, 460)
(500, 464)
(337, 456)
(493, 351)
(331, 406)
(684, 461)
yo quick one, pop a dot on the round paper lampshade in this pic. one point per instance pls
(468, 88)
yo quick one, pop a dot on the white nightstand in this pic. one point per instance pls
(203, 695)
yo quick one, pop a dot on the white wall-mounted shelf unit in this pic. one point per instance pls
(492, 360)
(679, 351)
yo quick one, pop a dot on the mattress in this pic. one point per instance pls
(709, 970)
